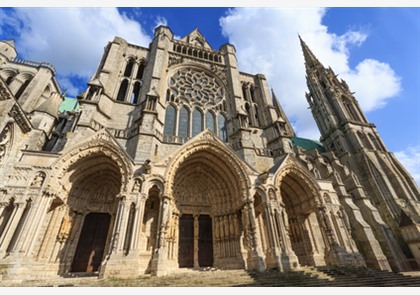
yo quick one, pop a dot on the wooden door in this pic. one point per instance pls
(91, 245)
(186, 241)
(205, 241)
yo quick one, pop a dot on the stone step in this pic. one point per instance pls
(307, 277)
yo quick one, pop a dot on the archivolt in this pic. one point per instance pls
(88, 150)
(217, 156)
(299, 181)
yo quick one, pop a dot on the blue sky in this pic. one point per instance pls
(376, 50)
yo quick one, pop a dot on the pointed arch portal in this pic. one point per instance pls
(96, 182)
(208, 195)
(299, 196)
(91, 180)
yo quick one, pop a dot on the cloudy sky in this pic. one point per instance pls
(376, 50)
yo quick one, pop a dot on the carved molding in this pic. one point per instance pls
(17, 114)
(207, 142)
(4, 91)
(100, 143)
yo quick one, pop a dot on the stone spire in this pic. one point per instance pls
(310, 60)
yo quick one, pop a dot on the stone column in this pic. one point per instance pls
(137, 221)
(255, 260)
(11, 226)
(196, 235)
(122, 230)
(217, 254)
(273, 257)
(225, 236)
(232, 236)
(37, 216)
(158, 267)
(271, 229)
(2, 207)
(289, 258)
(237, 236)
(117, 226)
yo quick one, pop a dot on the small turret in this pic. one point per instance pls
(45, 115)
(7, 49)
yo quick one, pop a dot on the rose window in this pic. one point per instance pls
(189, 86)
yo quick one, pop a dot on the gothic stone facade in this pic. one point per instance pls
(178, 159)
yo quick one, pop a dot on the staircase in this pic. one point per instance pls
(334, 277)
(306, 277)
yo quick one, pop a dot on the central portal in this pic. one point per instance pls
(195, 241)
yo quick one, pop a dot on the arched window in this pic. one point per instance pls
(170, 118)
(136, 93)
(9, 79)
(197, 122)
(22, 88)
(253, 94)
(257, 119)
(248, 112)
(210, 121)
(244, 92)
(184, 122)
(129, 68)
(221, 122)
(123, 90)
(140, 71)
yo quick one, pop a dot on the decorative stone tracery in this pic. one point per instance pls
(191, 86)
(5, 141)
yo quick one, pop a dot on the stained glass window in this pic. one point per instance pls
(210, 121)
(170, 118)
(195, 86)
(221, 121)
(197, 121)
(184, 122)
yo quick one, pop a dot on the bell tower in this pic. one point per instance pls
(346, 131)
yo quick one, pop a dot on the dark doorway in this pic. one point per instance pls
(90, 248)
(205, 241)
(186, 241)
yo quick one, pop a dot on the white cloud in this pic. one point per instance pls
(161, 21)
(410, 158)
(266, 40)
(374, 83)
(73, 39)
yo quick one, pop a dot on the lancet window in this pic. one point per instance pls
(131, 82)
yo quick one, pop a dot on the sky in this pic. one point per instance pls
(375, 49)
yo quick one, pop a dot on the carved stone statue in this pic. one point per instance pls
(38, 180)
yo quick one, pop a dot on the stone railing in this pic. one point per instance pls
(34, 64)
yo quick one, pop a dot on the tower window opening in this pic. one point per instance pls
(129, 68)
(123, 90)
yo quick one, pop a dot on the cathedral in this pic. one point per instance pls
(174, 158)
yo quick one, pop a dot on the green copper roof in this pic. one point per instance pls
(307, 144)
(69, 104)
